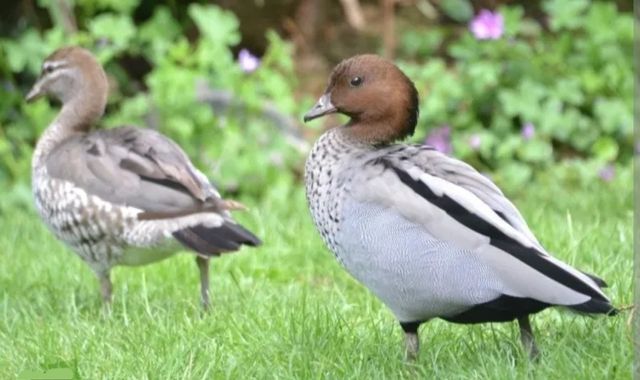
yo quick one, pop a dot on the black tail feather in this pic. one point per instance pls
(595, 306)
(212, 241)
(502, 309)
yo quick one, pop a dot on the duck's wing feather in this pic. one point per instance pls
(470, 212)
(141, 168)
(464, 175)
(134, 167)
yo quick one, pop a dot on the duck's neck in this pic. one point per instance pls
(77, 116)
(344, 139)
(376, 132)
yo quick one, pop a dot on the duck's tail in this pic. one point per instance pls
(212, 241)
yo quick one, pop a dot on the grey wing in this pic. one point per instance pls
(134, 167)
(464, 175)
(460, 173)
(451, 212)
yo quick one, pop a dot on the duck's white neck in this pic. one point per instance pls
(76, 117)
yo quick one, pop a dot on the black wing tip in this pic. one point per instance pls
(596, 306)
(212, 241)
(600, 282)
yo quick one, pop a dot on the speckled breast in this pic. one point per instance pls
(327, 185)
(88, 225)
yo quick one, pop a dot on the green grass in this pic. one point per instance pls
(288, 310)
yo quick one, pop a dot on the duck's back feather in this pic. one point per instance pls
(135, 167)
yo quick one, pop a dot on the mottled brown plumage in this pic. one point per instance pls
(122, 196)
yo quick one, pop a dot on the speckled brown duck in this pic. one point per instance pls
(122, 196)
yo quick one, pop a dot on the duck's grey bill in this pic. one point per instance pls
(35, 92)
(322, 107)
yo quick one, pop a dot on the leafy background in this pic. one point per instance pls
(562, 67)
(570, 77)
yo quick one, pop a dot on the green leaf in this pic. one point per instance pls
(459, 10)
(26, 53)
(549, 118)
(591, 81)
(513, 22)
(482, 76)
(513, 175)
(614, 116)
(466, 48)
(524, 101)
(605, 149)
(565, 14)
(161, 25)
(536, 151)
(507, 147)
(279, 53)
(183, 127)
(117, 30)
(568, 90)
(421, 42)
(604, 24)
(133, 111)
(216, 25)
(120, 6)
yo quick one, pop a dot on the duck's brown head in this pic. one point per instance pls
(72, 74)
(381, 100)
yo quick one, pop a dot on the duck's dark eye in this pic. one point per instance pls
(356, 81)
(47, 69)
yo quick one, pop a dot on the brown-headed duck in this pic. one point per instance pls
(426, 233)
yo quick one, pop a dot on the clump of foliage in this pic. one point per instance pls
(238, 147)
(530, 93)
(541, 93)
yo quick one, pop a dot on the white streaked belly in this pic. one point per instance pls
(134, 256)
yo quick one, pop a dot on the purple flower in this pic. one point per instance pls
(475, 141)
(528, 131)
(440, 139)
(607, 173)
(487, 25)
(247, 61)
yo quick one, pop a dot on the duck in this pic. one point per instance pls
(123, 196)
(426, 233)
